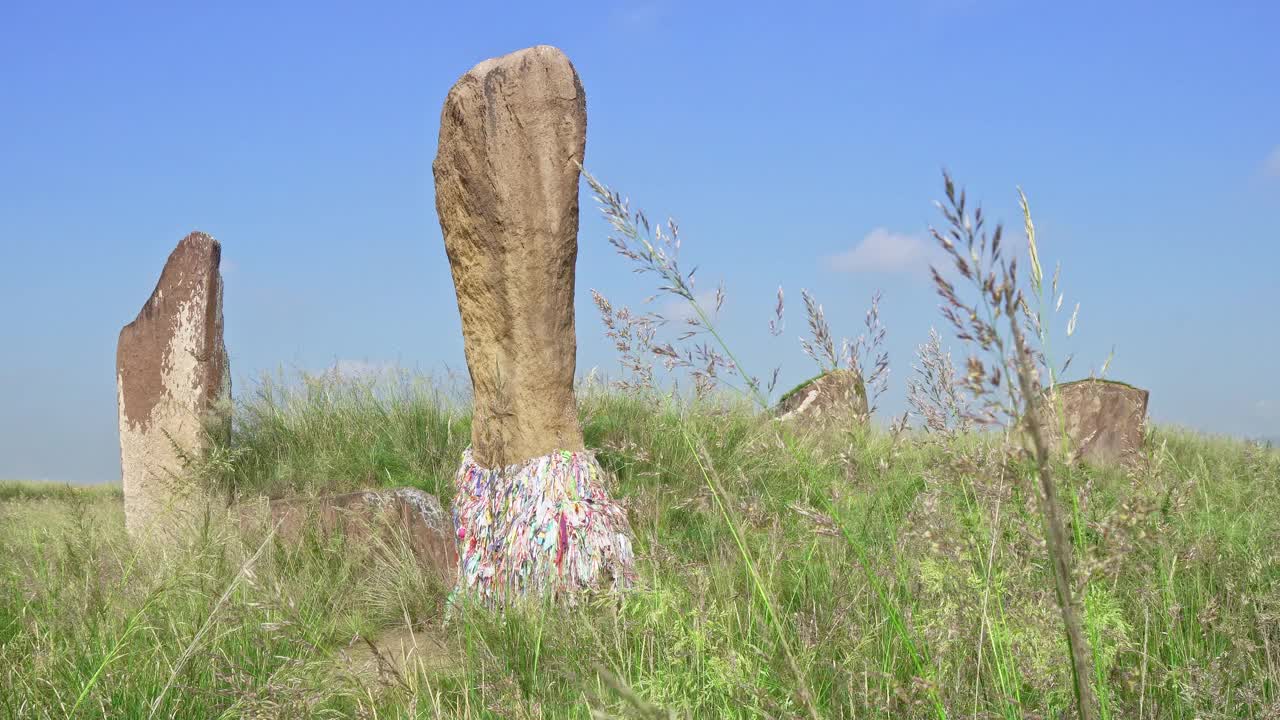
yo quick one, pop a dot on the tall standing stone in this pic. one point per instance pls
(531, 512)
(173, 382)
(507, 196)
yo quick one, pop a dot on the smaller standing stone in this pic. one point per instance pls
(1104, 420)
(173, 387)
(834, 400)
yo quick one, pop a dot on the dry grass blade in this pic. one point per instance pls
(624, 691)
(1037, 275)
(1058, 543)
(995, 281)
(708, 474)
(822, 348)
(385, 666)
(653, 250)
(245, 568)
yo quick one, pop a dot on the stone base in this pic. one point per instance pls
(546, 527)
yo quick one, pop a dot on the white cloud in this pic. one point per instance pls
(884, 251)
(640, 15)
(1271, 167)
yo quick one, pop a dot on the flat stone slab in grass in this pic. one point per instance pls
(832, 400)
(1104, 420)
(394, 656)
(373, 518)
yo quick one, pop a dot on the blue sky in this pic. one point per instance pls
(797, 146)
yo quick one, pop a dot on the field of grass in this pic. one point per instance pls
(865, 575)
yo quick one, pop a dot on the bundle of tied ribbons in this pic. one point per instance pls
(545, 527)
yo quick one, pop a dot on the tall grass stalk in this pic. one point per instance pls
(114, 653)
(185, 657)
(706, 469)
(978, 258)
(1060, 550)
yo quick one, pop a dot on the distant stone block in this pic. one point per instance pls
(833, 400)
(1104, 420)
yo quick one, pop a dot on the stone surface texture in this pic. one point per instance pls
(832, 400)
(173, 386)
(377, 520)
(384, 660)
(1103, 419)
(512, 131)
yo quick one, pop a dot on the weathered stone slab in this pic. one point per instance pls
(173, 387)
(376, 519)
(834, 400)
(1104, 420)
(387, 659)
(511, 132)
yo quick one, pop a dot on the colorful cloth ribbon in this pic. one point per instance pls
(545, 527)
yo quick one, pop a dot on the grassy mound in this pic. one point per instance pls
(884, 577)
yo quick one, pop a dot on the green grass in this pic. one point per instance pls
(801, 386)
(903, 577)
(16, 490)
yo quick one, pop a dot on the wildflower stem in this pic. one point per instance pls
(1059, 547)
(704, 466)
